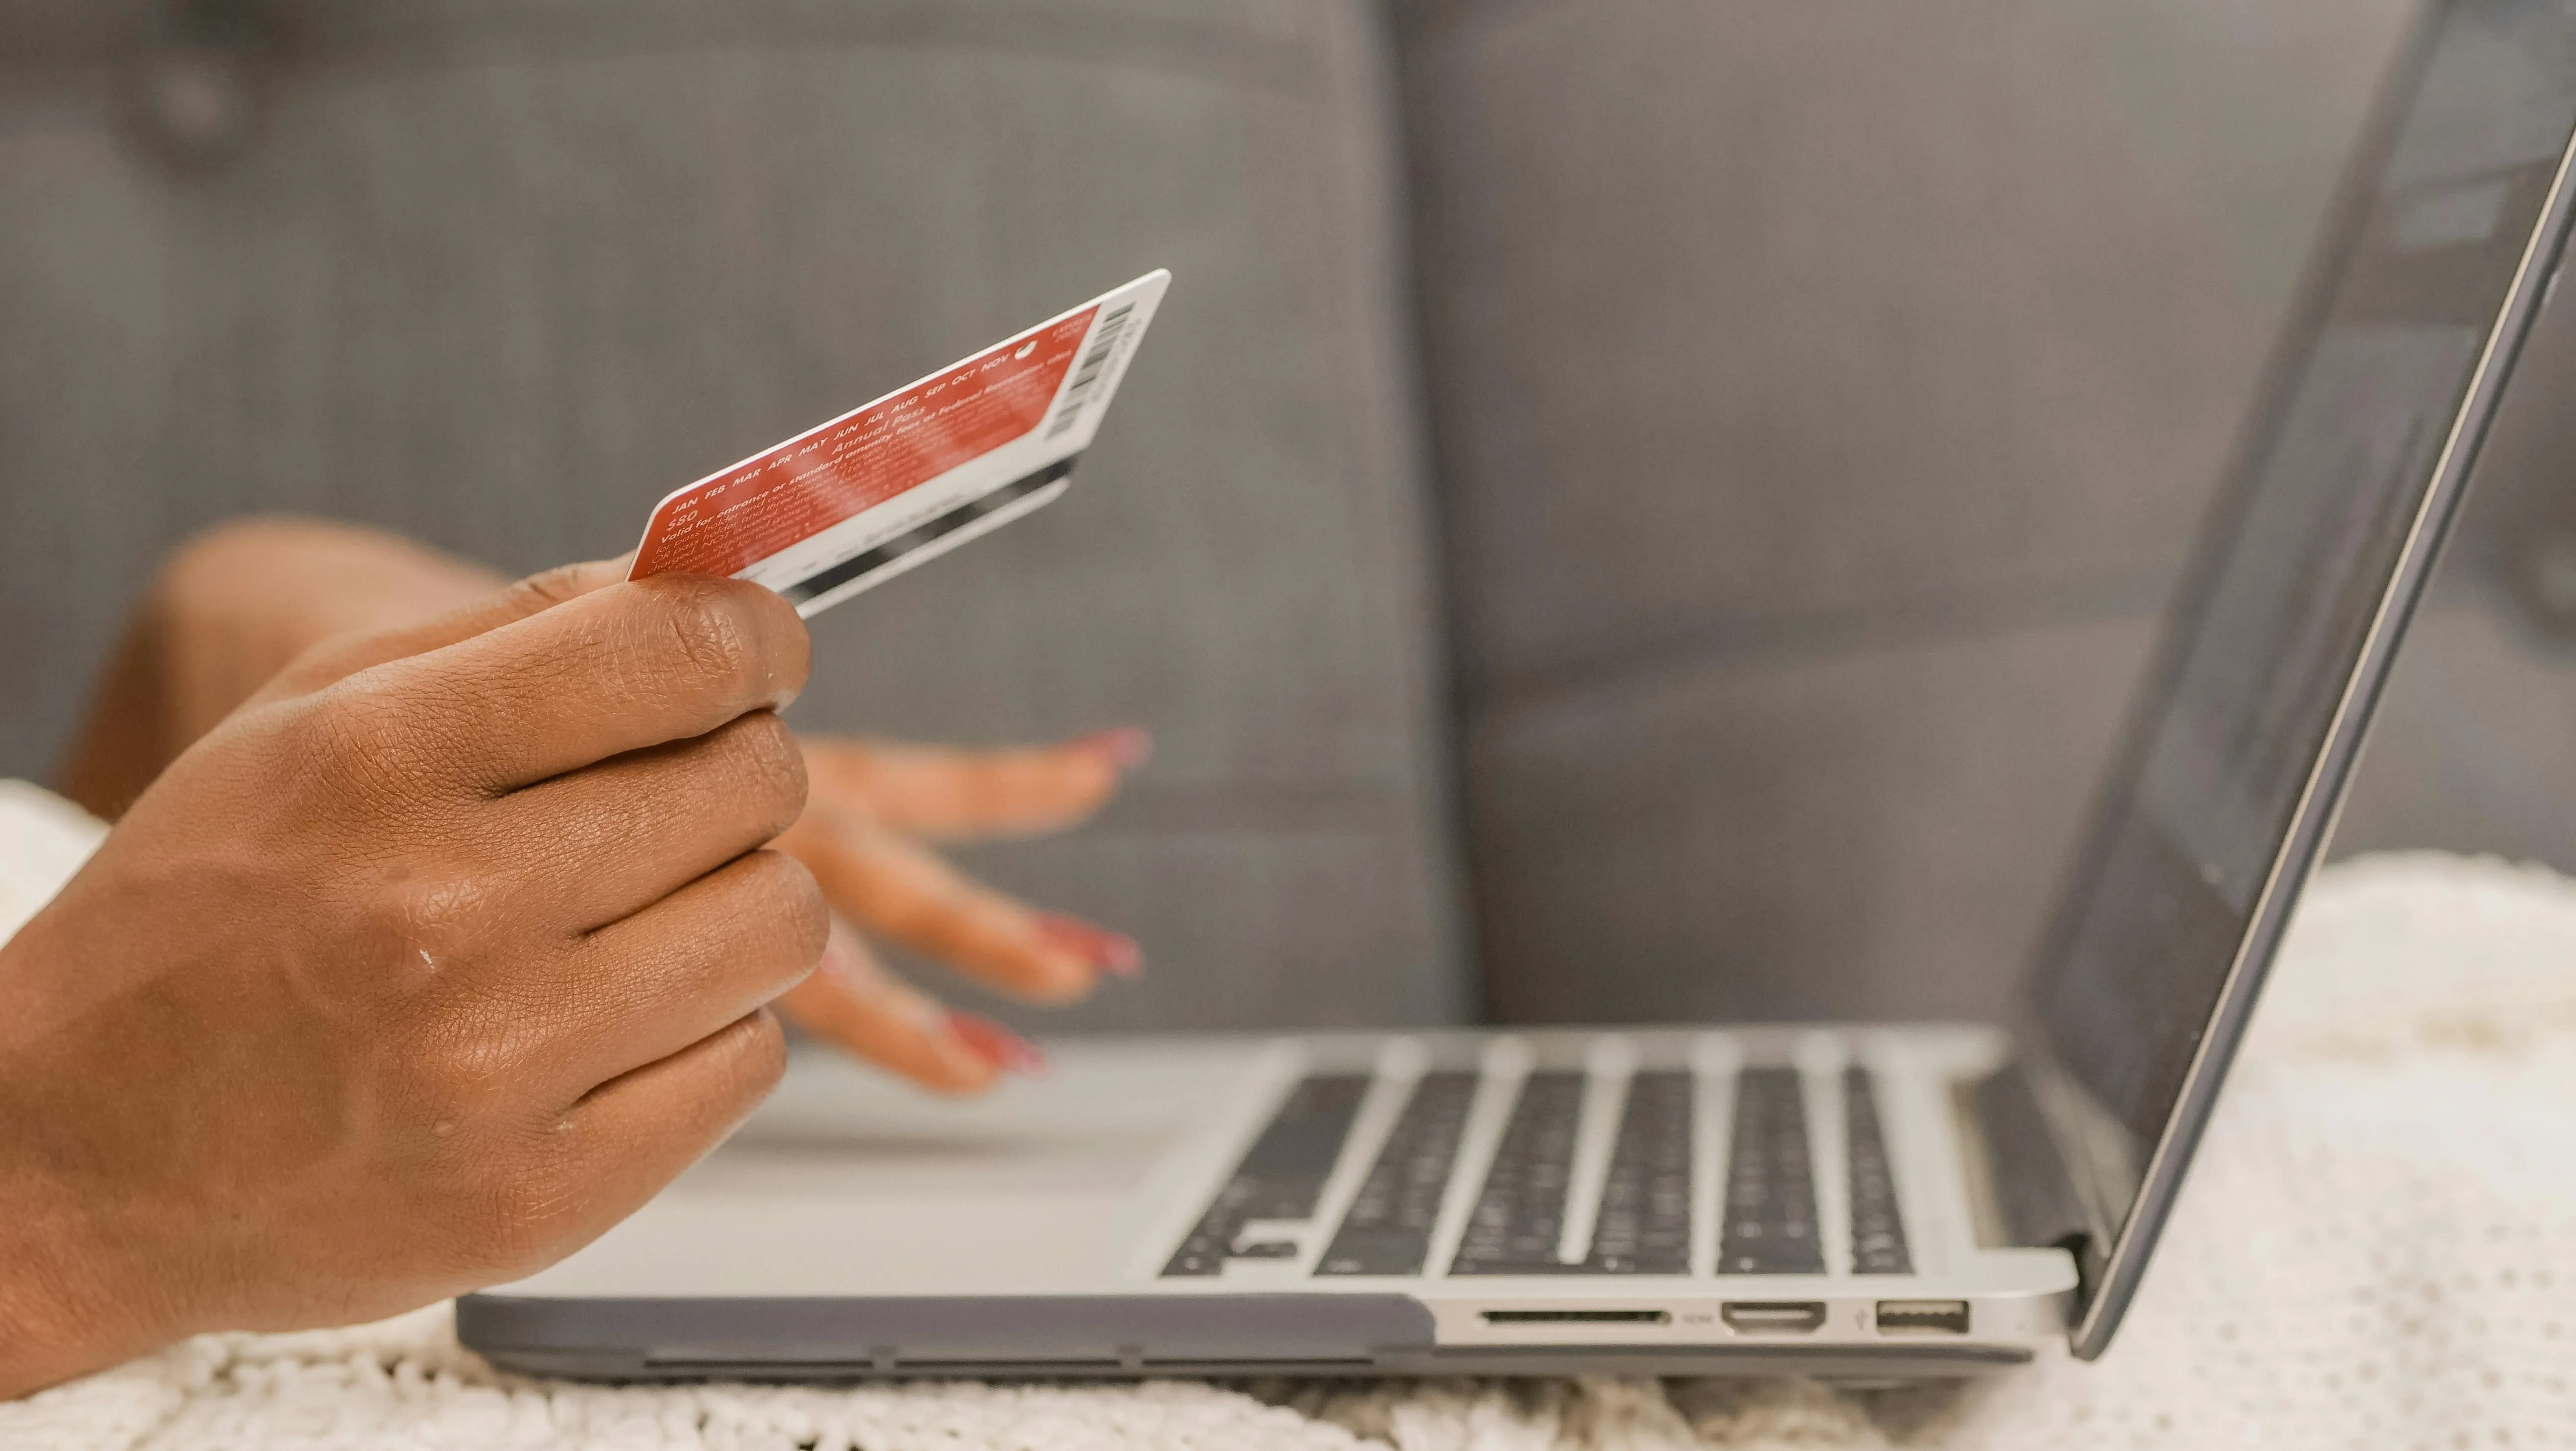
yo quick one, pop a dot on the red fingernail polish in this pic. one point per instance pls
(997, 1045)
(1127, 747)
(1112, 952)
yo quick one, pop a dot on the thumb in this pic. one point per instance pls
(337, 659)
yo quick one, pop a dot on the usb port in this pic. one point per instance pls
(1578, 1317)
(1773, 1317)
(1922, 1317)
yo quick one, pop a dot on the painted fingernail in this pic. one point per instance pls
(997, 1045)
(1126, 747)
(1112, 952)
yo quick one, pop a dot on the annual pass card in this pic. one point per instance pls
(913, 475)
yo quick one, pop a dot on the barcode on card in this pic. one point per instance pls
(1095, 363)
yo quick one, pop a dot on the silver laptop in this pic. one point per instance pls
(1861, 1201)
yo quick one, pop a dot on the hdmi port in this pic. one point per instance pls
(1773, 1317)
(1577, 1317)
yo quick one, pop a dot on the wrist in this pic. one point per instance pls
(75, 1295)
(63, 1310)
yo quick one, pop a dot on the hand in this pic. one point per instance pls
(871, 810)
(233, 606)
(421, 969)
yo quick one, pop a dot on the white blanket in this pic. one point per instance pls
(2376, 1248)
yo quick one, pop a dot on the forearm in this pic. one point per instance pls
(227, 612)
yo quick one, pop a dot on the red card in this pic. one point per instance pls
(913, 474)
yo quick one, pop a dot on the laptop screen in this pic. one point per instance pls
(2236, 752)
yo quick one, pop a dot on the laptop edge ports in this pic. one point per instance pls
(1773, 1317)
(1578, 1317)
(1922, 1317)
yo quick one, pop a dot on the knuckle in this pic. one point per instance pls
(730, 633)
(457, 1091)
(470, 1067)
(357, 752)
(705, 632)
(341, 728)
(766, 768)
(790, 909)
(527, 1210)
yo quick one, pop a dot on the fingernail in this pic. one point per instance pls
(997, 1045)
(842, 957)
(1126, 747)
(840, 967)
(1113, 953)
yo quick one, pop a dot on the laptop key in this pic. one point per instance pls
(1644, 1225)
(1877, 1226)
(1520, 1213)
(1770, 1209)
(1281, 1177)
(1387, 1230)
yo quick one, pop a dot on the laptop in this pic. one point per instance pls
(1861, 1201)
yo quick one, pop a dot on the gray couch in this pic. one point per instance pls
(1635, 508)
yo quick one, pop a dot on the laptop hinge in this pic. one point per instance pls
(2032, 1193)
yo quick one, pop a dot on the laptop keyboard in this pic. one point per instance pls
(1645, 1222)
(1281, 1177)
(1387, 1230)
(1521, 1213)
(1877, 1230)
(1767, 1216)
(1770, 1226)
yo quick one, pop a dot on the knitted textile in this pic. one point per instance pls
(2377, 1248)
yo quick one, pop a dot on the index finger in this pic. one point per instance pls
(617, 669)
(949, 794)
(338, 658)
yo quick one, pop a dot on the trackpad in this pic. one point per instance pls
(849, 1184)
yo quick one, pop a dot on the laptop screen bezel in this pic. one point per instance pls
(2111, 1274)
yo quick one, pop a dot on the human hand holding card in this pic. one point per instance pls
(904, 479)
